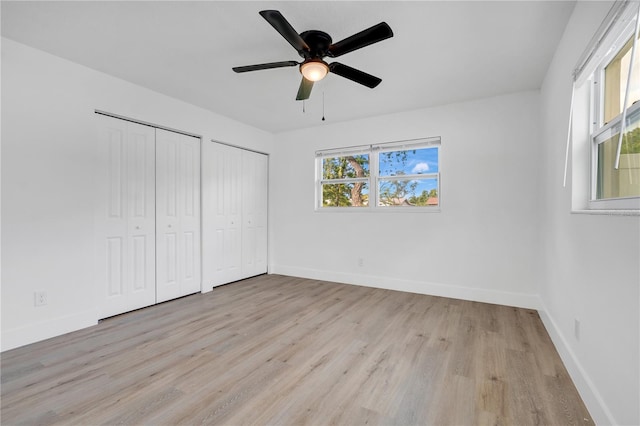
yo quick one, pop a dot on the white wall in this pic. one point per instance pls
(48, 152)
(592, 262)
(483, 245)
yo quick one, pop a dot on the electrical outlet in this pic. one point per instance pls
(576, 328)
(40, 298)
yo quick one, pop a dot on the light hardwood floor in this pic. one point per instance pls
(282, 350)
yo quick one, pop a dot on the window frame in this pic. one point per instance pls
(374, 178)
(599, 131)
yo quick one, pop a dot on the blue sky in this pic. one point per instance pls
(424, 160)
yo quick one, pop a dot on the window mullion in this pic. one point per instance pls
(374, 163)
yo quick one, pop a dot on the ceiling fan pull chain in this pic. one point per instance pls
(323, 105)
(303, 107)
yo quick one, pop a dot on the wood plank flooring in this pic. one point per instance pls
(288, 351)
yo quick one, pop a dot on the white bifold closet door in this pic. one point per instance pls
(125, 216)
(177, 215)
(236, 235)
(148, 216)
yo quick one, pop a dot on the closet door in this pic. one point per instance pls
(223, 185)
(125, 216)
(177, 215)
(254, 213)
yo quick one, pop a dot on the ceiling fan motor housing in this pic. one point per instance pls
(318, 42)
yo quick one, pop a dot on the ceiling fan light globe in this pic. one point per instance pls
(314, 70)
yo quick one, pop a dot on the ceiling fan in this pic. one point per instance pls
(315, 45)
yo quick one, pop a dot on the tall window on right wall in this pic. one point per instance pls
(616, 165)
(606, 116)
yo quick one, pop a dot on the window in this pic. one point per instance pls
(408, 177)
(380, 177)
(605, 125)
(616, 175)
(345, 180)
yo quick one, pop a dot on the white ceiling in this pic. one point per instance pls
(441, 52)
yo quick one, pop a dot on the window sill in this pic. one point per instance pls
(378, 210)
(608, 212)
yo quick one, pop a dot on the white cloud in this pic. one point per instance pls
(420, 168)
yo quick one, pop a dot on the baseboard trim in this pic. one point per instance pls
(530, 301)
(43, 330)
(592, 399)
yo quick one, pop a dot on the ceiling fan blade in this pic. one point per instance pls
(304, 91)
(354, 74)
(285, 29)
(266, 66)
(364, 38)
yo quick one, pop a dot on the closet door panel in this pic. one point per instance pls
(177, 214)
(261, 216)
(167, 222)
(223, 185)
(141, 211)
(254, 213)
(189, 211)
(125, 216)
(248, 213)
(233, 207)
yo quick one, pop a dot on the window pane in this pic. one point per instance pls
(408, 192)
(615, 81)
(624, 182)
(352, 166)
(345, 194)
(409, 162)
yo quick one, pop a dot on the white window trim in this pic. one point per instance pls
(374, 178)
